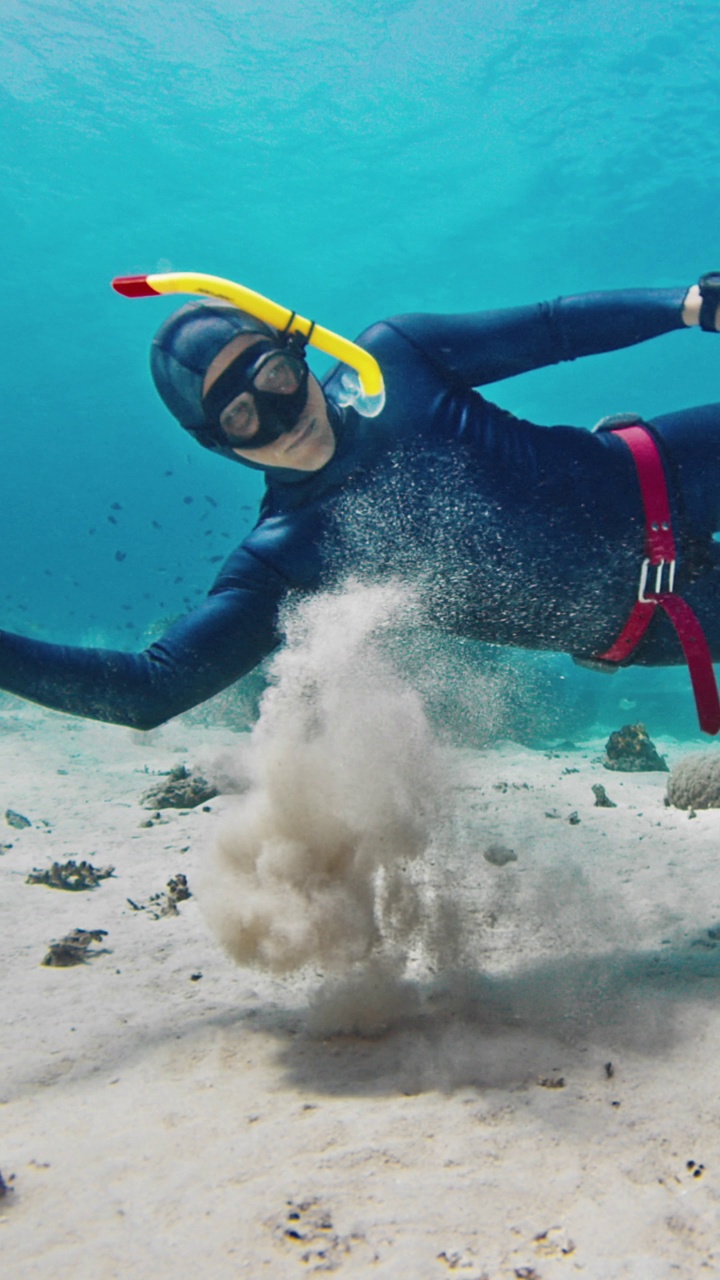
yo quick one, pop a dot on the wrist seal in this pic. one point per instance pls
(709, 286)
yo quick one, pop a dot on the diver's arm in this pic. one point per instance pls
(216, 644)
(487, 346)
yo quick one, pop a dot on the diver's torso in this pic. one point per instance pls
(522, 535)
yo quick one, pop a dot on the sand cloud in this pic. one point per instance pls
(323, 861)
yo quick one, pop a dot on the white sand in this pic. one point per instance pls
(156, 1125)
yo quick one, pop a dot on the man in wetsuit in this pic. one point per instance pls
(519, 534)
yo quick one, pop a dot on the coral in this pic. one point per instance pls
(74, 948)
(695, 782)
(70, 875)
(165, 904)
(629, 750)
(182, 789)
(602, 799)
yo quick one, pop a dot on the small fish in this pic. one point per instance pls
(121, 555)
(115, 506)
(212, 501)
(112, 520)
(155, 524)
(215, 559)
(168, 473)
(187, 501)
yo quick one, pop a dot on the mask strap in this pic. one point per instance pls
(293, 339)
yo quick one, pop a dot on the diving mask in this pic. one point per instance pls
(259, 397)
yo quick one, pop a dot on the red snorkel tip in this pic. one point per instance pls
(134, 287)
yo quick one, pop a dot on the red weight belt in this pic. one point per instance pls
(660, 559)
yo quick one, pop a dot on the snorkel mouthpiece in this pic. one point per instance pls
(363, 386)
(351, 393)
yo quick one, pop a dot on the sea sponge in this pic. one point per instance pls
(695, 782)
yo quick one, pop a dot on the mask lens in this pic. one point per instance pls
(239, 419)
(278, 374)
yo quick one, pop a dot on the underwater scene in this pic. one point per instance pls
(372, 933)
(352, 162)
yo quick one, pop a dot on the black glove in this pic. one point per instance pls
(709, 286)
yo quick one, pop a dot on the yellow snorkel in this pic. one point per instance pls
(362, 382)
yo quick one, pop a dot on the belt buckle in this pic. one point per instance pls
(659, 566)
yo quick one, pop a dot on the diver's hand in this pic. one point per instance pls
(691, 308)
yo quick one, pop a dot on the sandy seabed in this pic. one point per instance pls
(548, 1109)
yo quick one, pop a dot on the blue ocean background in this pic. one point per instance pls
(351, 161)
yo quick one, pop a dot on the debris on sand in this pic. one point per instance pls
(602, 799)
(181, 789)
(695, 782)
(499, 855)
(629, 750)
(17, 820)
(70, 875)
(165, 904)
(306, 1229)
(5, 1187)
(74, 948)
(551, 1082)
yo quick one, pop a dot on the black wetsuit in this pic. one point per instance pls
(523, 535)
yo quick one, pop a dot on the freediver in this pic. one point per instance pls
(596, 543)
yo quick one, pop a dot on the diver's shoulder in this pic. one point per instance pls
(390, 332)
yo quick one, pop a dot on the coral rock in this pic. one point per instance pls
(182, 789)
(629, 750)
(695, 782)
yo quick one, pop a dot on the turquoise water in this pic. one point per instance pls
(351, 160)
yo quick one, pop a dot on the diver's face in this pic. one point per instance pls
(307, 446)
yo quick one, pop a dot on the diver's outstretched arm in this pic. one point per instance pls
(488, 346)
(228, 635)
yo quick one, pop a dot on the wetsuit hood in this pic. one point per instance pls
(183, 349)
